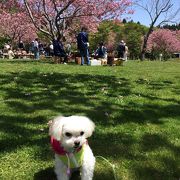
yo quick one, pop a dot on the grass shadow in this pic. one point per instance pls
(48, 174)
(35, 96)
(45, 174)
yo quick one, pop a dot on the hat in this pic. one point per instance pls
(122, 41)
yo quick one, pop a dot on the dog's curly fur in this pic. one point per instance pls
(72, 132)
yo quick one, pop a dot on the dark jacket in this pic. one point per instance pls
(21, 45)
(58, 48)
(82, 40)
(101, 52)
(121, 48)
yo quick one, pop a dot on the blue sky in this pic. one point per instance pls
(142, 16)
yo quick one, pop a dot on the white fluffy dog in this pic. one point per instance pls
(69, 142)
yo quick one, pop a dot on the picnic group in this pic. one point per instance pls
(61, 51)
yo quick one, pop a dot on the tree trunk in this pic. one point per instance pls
(142, 58)
(143, 51)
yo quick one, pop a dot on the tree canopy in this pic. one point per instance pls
(112, 32)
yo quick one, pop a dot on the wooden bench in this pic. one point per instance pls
(24, 56)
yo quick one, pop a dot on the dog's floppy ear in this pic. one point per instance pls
(89, 127)
(55, 127)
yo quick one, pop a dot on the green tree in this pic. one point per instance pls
(134, 33)
(105, 29)
(3, 40)
(112, 32)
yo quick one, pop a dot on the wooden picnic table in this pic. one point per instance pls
(23, 56)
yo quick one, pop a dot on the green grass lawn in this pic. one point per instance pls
(136, 109)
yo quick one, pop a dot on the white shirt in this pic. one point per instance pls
(36, 44)
(51, 47)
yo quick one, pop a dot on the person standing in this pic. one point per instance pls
(83, 44)
(51, 49)
(31, 47)
(41, 48)
(121, 50)
(125, 52)
(36, 49)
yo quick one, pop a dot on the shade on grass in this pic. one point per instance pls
(136, 109)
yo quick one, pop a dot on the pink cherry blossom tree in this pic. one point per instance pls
(159, 12)
(164, 41)
(17, 26)
(63, 17)
(15, 23)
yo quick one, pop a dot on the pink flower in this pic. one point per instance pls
(163, 40)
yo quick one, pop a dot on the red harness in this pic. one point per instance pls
(58, 149)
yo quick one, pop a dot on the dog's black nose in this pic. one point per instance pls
(76, 143)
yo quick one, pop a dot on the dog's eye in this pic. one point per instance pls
(68, 134)
(81, 133)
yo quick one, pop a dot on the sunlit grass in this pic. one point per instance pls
(136, 109)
